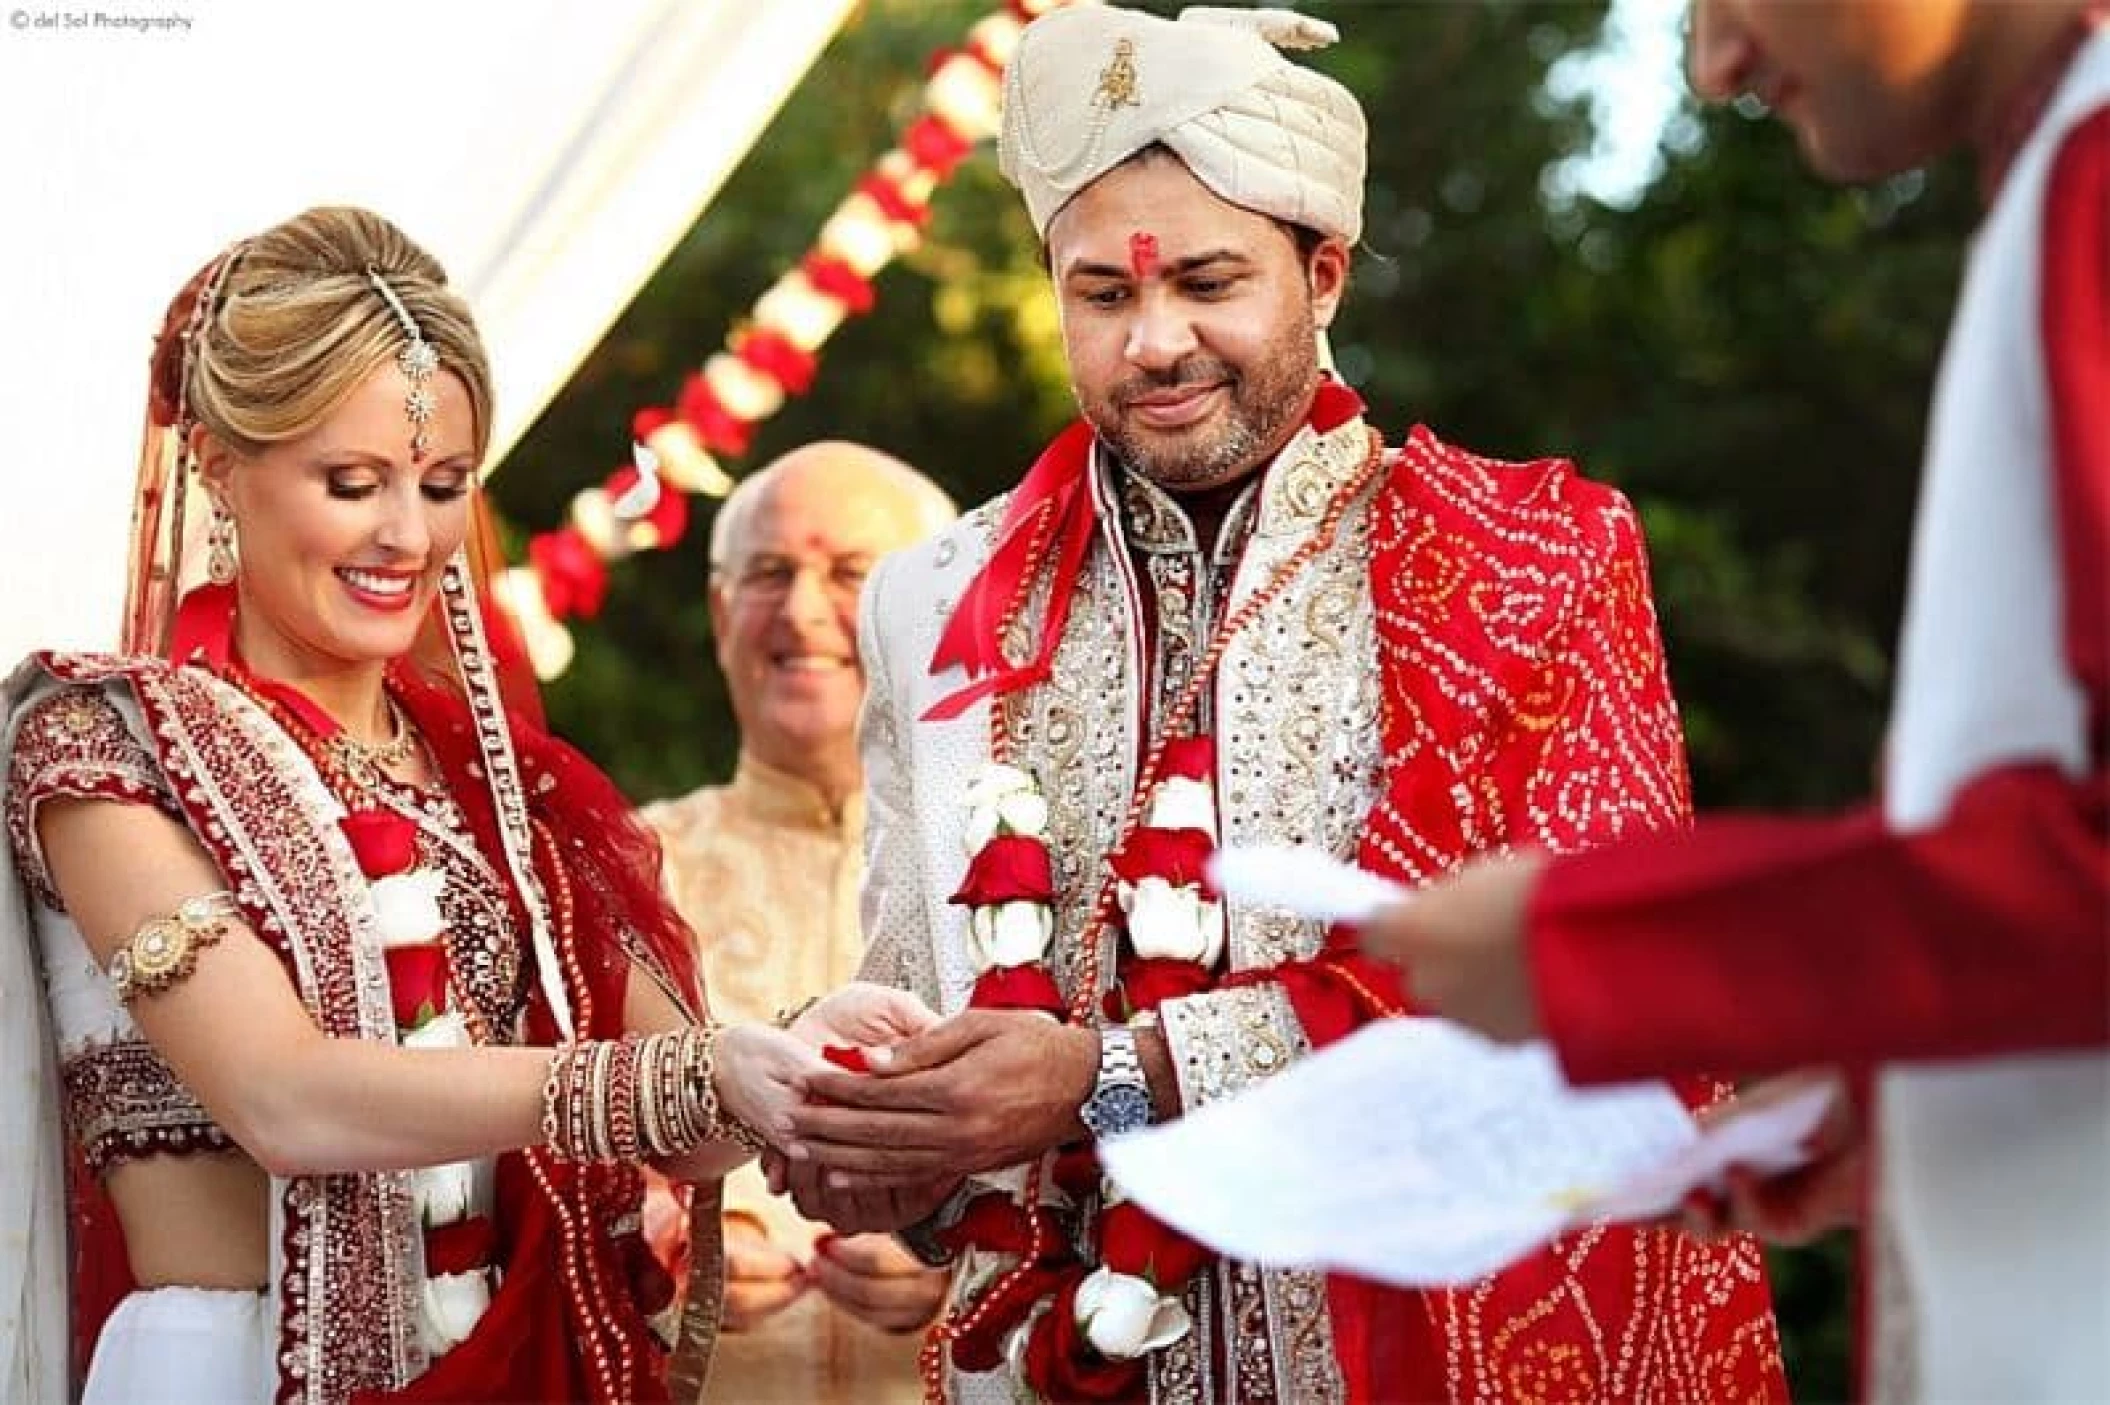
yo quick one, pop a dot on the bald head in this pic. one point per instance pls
(861, 479)
(790, 551)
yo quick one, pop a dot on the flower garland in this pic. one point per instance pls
(772, 354)
(459, 1241)
(408, 920)
(1069, 1328)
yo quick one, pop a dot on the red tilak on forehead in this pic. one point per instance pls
(1143, 253)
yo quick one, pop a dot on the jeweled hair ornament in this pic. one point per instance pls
(417, 361)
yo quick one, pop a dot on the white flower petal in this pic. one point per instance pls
(1019, 933)
(995, 781)
(1116, 1312)
(981, 924)
(407, 907)
(450, 1308)
(1210, 915)
(1023, 812)
(1181, 803)
(445, 1030)
(1164, 921)
(445, 1193)
(981, 827)
(1168, 1323)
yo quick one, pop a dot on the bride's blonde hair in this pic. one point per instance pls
(294, 324)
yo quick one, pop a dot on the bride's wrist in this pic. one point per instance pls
(656, 1096)
(730, 1126)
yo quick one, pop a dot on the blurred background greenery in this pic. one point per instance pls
(1745, 352)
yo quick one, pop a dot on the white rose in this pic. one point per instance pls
(994, 780)
(1003, 800)
(1010, 934)
(982, 822)
(407, 907)
(445, 1030)
(1124, 1316)
(1173, 922)
(1023, 812)
(453, 1304)
(1182, 803)
(445, 1193)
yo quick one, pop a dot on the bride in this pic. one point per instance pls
(355, 987)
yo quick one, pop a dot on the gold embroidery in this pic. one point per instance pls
(1117, 81)
(123, 1101)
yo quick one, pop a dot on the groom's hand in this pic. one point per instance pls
(985, 1089)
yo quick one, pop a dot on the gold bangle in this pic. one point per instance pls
(164, 951)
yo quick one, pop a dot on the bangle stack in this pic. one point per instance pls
(614, 1100)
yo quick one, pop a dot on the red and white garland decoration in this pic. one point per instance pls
(1071, 1327)
(771, 355)
(458, 1241)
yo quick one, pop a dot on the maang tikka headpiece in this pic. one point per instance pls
(417, 361)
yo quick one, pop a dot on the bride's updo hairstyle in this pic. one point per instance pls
(275, 333)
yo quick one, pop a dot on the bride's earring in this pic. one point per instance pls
(220, 565)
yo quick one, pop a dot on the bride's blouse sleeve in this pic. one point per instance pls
(74, 744)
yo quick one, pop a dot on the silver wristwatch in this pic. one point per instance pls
(1120, 1100)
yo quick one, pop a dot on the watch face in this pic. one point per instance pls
(1117, 1110)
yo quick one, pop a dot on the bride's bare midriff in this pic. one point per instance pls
(194, 1221)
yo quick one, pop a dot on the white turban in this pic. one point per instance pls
(1091, 85)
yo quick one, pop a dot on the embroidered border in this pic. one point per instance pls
(73, 744)
(123, 1102)
(348, 1315)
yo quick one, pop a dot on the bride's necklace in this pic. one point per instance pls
(376, 758)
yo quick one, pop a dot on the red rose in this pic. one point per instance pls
(1009, 868)
(1075, 1170)
(1179, 856)
(1133, 1242)
(1063, 1365)
(459, 1247)
(1190, 758)
(417, 982)
(383, 841)
(1019, 988)
(847, 1056)
(1148, 982)
(981, 1347)
(995, 1222)
(992, 1220)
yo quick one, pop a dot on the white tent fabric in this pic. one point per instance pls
(550, 152)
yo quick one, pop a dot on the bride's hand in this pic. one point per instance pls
(760, 1072)
(866, 1015)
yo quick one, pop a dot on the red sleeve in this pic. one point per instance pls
(1754, 944)
(1750, 944)
(2076, 322)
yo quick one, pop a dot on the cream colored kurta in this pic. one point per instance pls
(767, 872)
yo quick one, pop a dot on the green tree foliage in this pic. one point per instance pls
(1745, 352)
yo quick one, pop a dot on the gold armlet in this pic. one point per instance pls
(164, 951)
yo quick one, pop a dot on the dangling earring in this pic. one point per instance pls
(220, 565)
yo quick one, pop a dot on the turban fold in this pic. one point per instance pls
(1091, 85)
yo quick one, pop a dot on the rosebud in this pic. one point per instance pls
(1124, 1317)
(1010, 934)
(452, 1305)
(1179, 803)
(407, 907)
(1175, 923)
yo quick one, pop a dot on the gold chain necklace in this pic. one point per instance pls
(366, 760)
